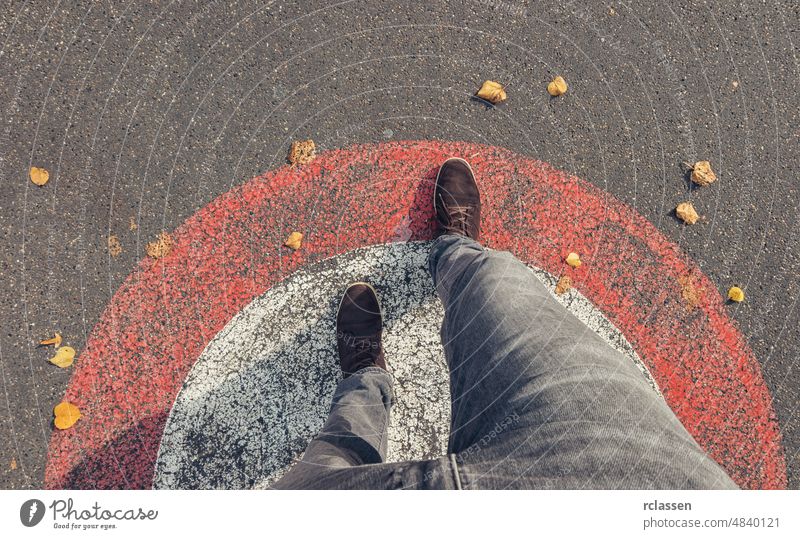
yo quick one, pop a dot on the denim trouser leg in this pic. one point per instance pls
(538, 400)
(355, 433)
(541, 401)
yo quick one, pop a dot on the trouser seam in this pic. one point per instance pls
(456, 474)
(385, 430)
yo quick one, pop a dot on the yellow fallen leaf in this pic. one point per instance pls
(702, 173)
(557, 86)
(133, 225)
(13, 464)
(574, 260)
(686, 212)
(66, 414)
(563, 284)
(64, 357)
(39, 176)
(736, 294)
(294, 240)
(493, 92)
(114, 246)
(161, 247)
(302, 152)
(56, 341)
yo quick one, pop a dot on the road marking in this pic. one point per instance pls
(262, 387)
(230, 252)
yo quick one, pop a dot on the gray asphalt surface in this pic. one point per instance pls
(149, 110)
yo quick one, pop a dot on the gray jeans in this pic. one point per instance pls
(538, 400)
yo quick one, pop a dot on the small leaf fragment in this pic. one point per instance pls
(133, 226)
(557, 86)
(161, 247)
(574, 260)
(39, 176)
(66, 414)
(686, 213)
(702, 173)
(563, 285)
(114, 246)
(64, 357)
(493, 92)
(55, 341)
(689, 292)
(13, 463)
(302, 152)
(294, 241)
(736, 294)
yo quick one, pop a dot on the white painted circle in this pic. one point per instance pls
(262, 387)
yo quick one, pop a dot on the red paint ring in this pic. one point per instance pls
(230, 252)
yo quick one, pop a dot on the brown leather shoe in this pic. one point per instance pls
(457, 200)
(359, 325)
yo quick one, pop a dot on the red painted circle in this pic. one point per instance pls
(230, 252)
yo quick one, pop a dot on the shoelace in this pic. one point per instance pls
(458, 216)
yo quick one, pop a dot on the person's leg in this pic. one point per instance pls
(540, 396)
(501, 330)
(355, 432)
(537, 397)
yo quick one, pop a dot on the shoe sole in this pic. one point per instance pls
(372, 288)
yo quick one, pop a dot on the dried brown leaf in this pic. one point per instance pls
(114, 246)
(574, 260)
(294, 241)
(161, 247)
(302, 152)
(686, 213)
(563, 285)
(702, 173)
(493, 92)
(55, 341)
(557, 86)
(689, 292)
(39, 176)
